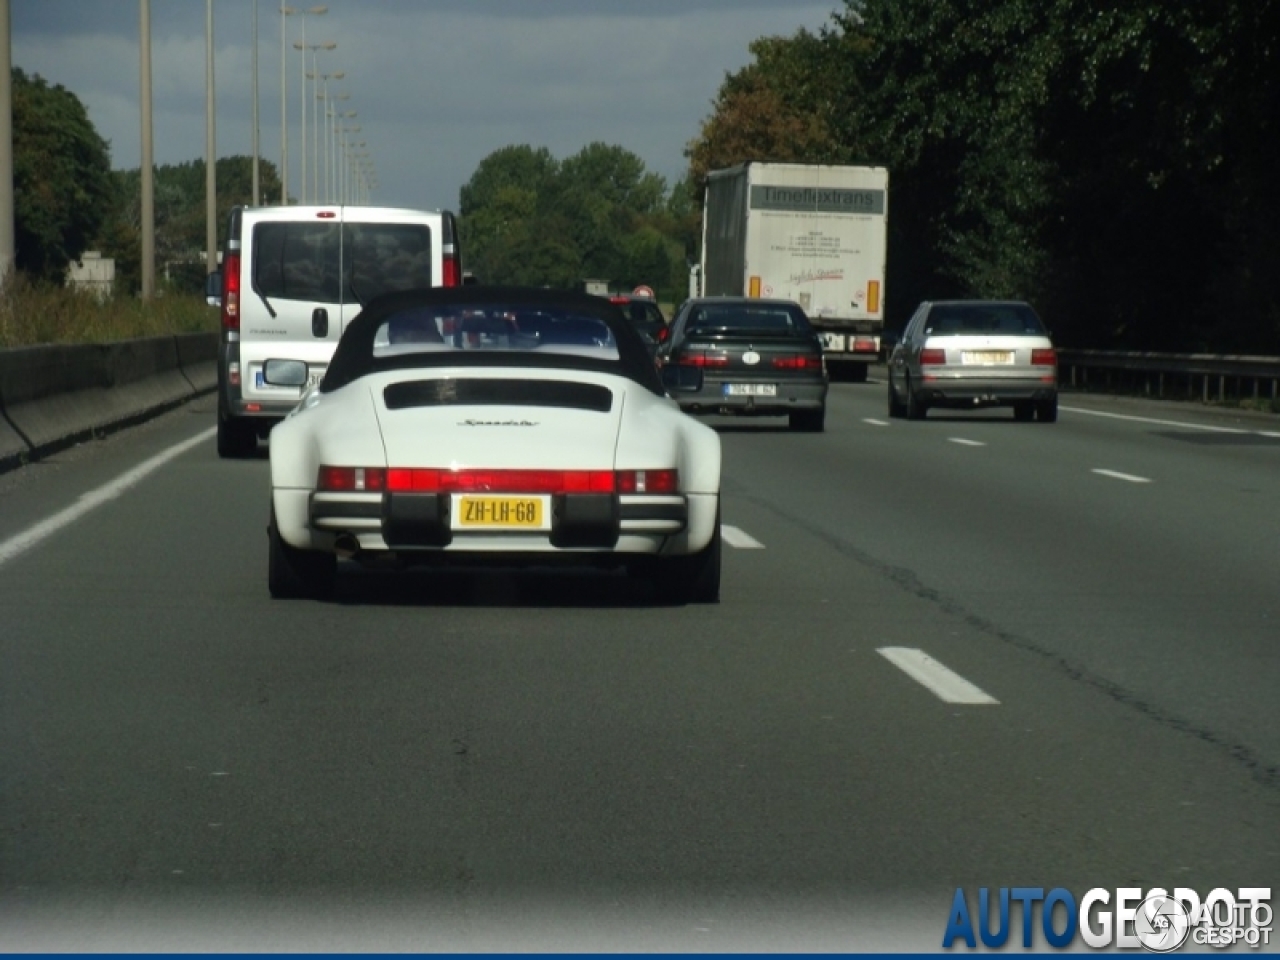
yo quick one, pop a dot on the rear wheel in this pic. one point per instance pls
(1047, 410)
(896, 407)
(808, 421)
(297, 574)
(1024, 410)
(237, 438)
(916, 407)
(694, 578)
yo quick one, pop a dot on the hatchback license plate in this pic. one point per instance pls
(750, 389)
(500, 513)
(987, 357)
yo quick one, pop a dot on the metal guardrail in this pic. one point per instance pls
(1208, 377)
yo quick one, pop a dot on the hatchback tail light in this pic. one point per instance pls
(1044, 358)
(933, 357)
(231, 291)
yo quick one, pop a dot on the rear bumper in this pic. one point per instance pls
(804, 395)
(972, 391)
(420, 525)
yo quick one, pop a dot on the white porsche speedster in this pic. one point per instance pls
(510, 426)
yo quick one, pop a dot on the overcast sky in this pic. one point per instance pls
(437, 84)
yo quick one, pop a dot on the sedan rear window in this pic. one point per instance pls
(773, 319)
(1007, 318)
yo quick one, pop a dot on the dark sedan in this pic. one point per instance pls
(746, 356)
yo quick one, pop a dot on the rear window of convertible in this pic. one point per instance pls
(450, 329)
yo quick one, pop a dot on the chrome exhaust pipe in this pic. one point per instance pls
(346, 546)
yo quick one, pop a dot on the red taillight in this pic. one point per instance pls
(798, 362)
(452, 271)
(648, 481)
(351, 479)
(435, 480)
(432, 480)
(231, 291)
(700, 358)
(933, 358)
(663, 334)
(1044, 358)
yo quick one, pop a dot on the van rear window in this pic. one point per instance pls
(332, 263)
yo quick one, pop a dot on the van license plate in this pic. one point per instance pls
(500, 513)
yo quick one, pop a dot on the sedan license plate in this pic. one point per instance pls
(500, 513)
(986, 357)
(750, 389)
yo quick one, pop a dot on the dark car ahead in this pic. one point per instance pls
(746, 356)
(644, 315)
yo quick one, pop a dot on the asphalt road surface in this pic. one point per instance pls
(958, 653)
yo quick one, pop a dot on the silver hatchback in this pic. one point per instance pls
(968, 354)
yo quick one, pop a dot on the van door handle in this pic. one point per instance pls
(319, 322)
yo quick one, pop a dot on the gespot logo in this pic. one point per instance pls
(1126, 918)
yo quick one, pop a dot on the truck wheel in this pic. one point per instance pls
(237, 438)
(294, 574)
(916, 408)
(808, 421)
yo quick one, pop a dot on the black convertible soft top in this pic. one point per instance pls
(355, 356)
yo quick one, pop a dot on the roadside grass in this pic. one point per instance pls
(32, 314)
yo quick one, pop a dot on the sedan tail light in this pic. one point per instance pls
(802, 361)
(700, 358)
(933, 357)
(1044, 358)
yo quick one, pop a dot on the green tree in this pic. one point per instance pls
(61, 177)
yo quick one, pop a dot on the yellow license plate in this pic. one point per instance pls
(500, 513)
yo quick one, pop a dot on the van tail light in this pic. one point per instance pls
(452, 270)
(933, 357)
(231, 291)
(1044, 358)
(801, 361)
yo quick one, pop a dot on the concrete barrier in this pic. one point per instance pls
(54, 395)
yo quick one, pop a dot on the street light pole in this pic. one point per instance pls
(257, 192)
(210, 151)
(147, 173)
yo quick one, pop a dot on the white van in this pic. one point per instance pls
(291, 280)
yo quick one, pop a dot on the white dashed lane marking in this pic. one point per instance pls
(874, 422)
(1116, 475)
(966, 443)
(739, 539)
(947, 685)
(17, 545)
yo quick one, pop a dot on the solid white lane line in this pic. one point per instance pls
(946, 684)
(874, 422)
(1121, 476)
(1269, 433)
(22, 542)
(737, 538)
(966, 443)
(1162, 423)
